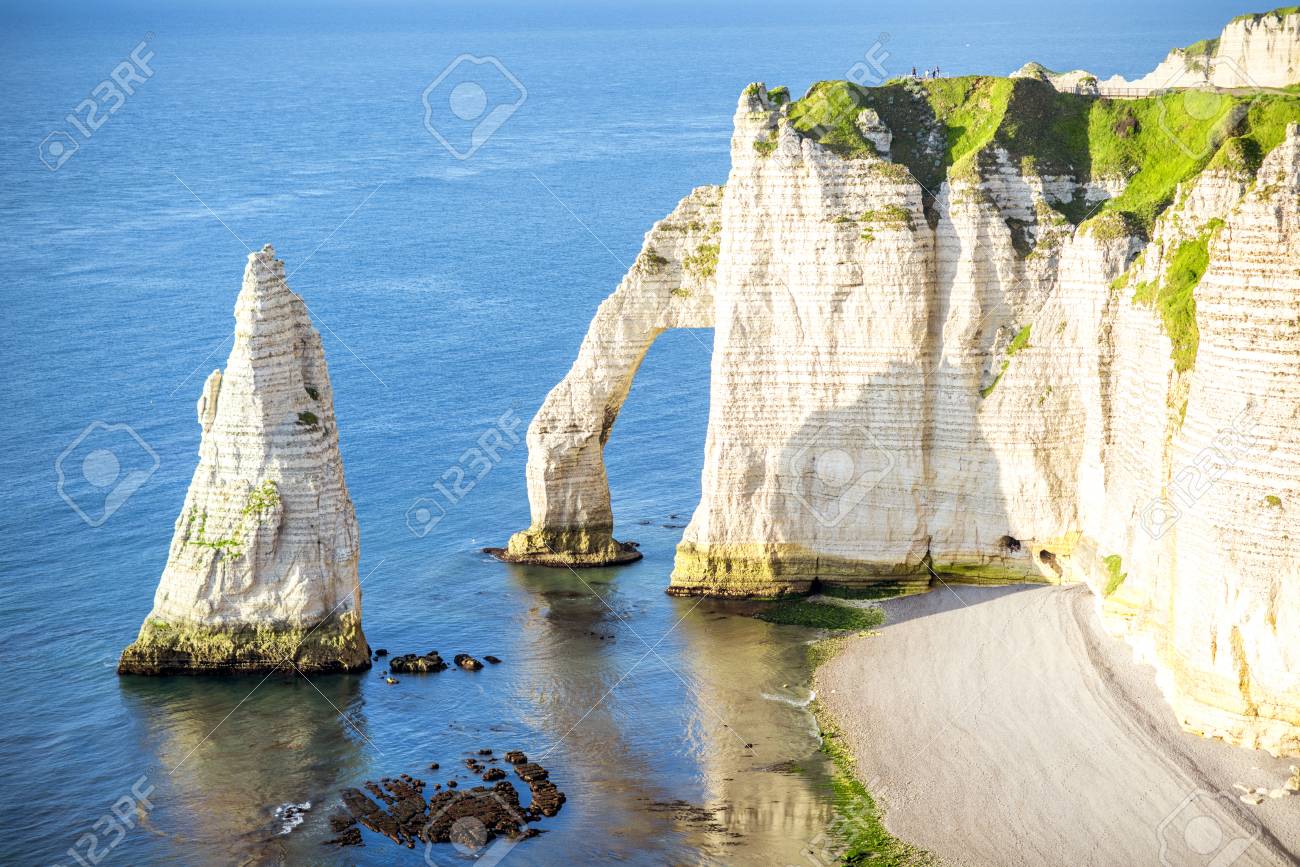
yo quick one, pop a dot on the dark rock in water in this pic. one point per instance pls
(370, 815)
(547, 799)
(492, 659)
(346, 832)
(470, 818)
(347, 837)
(467, 662)
(414, 663)
(516, 757)
(496, 811)
(531, 772)
(378, 792)
(381, 652)
(433, 766)
(485, 752)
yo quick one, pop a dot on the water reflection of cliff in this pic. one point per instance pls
(657, 757)
(595, 716)
(230, 754)
(750, 686)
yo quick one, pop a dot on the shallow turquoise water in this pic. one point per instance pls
(448, 293)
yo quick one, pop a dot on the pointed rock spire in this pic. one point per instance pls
(262, 570)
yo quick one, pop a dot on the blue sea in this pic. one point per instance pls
(453, 188)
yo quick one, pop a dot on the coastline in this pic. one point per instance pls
(964, 681)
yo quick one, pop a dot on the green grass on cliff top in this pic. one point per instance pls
(946, 128)
(1279, 12)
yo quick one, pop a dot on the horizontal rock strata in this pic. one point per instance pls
(262, 570)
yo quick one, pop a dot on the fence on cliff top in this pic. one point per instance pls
(1119, 92)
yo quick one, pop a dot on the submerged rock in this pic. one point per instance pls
(467, 662)
(262, 570)
(429, 663)
(471, 818)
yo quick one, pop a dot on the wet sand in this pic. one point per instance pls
(1002, 725)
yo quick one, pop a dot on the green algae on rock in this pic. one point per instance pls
(775, 570)
(332, 645)
(582, 547)
(822, 615)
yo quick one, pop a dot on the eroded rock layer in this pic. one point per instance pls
(262, 570)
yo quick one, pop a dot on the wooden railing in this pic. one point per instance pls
(1119, 92)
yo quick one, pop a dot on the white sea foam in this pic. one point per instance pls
(291, 815)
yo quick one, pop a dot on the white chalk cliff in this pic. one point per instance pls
(262, 570)
(944, 358)
(1261, 49)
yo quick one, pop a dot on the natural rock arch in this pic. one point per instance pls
(669, 286)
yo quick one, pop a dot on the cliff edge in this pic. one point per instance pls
(1256, 50)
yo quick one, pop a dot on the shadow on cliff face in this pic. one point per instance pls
(899, 482)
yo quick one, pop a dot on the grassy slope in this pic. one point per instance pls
(947, 128)
(1280, 12)
(1156, 142)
